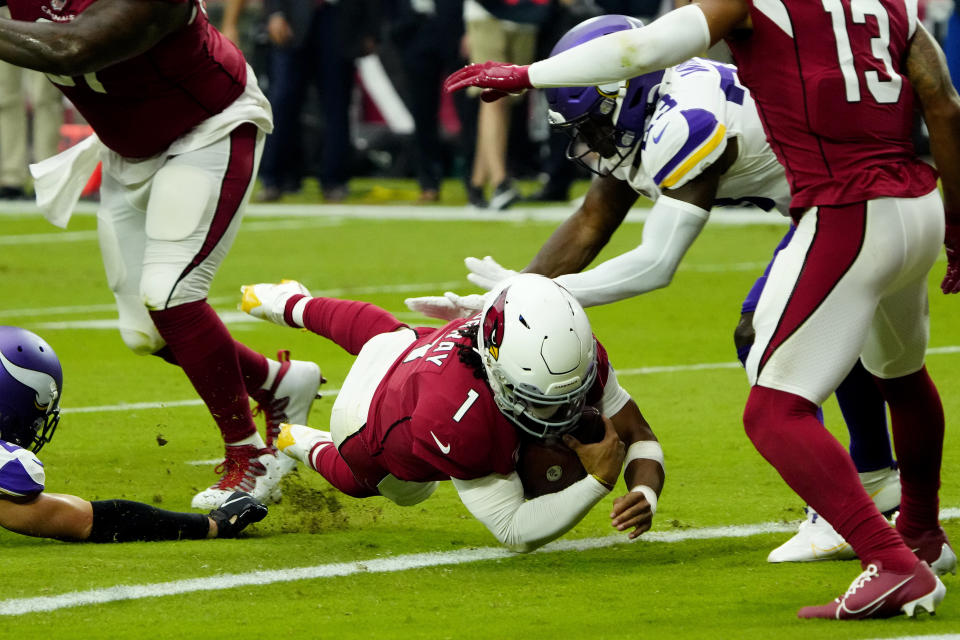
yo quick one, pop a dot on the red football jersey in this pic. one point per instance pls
(830, 84)
(431, 419)
(138, 107)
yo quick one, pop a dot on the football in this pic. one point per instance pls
(548, 465)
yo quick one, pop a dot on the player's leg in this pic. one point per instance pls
(895, 353)
(811, 323)
(192, 216)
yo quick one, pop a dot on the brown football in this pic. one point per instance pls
(547, 465)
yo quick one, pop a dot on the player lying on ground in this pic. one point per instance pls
(836, 85)
(31, 383)
(421, 405)
(688, 138)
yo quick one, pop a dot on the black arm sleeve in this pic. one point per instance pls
(126, 521)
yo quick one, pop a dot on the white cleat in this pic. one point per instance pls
(815, 540)
(288, 400)
(268, 301)
(883, 486)
(244, 468)
(298, 442)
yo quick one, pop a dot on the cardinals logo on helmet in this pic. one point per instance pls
(493, 323)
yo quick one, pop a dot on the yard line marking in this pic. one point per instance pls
(20, 606)
(640, 371)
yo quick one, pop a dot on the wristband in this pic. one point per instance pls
(649, 494)
(646, 450)
(607, 485)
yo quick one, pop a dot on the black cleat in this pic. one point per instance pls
(236, 512)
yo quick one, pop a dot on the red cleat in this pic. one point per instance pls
(877, 593)
(934, 548)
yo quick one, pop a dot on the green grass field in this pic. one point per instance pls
(694, 576)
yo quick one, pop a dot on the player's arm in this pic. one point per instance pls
(106, 33)
(674, 222)
(68, 517)
(677, 36)
(524, 525)
(576, 242)
(930, 77)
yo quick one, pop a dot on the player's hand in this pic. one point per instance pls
(486, 273)
(951, 241)
(498, 78)
(603, 459)
(631, 511)
(449, 306)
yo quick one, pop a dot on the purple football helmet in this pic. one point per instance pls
(31, 382)
(605, 122)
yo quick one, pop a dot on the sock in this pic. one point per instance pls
(865, 413)
(327, 461)
(916, 417)
(784, 429)
(126, 521)
(205, 351)
(254, 439)
(254, 366)
(349, 323)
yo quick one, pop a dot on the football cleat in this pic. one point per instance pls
(268, 301)
(236, 512)
(288, 400)
(877, 593)
(298, 442)
(815, 540)
(244, 468)
(883, 486)
(934, 548)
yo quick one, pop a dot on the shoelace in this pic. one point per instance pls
(868, 574)
(273, 408)
(237, 463)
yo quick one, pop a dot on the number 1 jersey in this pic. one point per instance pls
(829, 81)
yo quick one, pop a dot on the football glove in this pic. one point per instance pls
(449, 306)
(236, 512)
(487, 273)
(951, 241)
(269, 301)
(499, 79)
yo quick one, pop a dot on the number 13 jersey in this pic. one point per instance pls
(841, 125)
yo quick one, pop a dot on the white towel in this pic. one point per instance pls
(60, 179)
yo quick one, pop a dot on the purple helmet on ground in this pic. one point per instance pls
(604, 122)
(31, 382)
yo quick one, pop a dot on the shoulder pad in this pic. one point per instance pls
(680, 144)
(21, 473)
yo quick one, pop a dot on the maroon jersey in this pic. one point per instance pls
(432, 419)
(138, 107)
(830, 84)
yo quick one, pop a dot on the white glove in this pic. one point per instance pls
(449, 306)
(486, 273)
(268, 301)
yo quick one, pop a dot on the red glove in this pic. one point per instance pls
(951, 241)
(498, 78)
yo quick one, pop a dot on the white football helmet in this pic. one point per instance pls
(539, 353)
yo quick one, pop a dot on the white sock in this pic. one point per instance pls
(296, 314)
(256, 440)
(273, 368)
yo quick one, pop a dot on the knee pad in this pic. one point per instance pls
(136, 328)
(178, 199)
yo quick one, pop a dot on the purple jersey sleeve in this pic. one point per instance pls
(21, 473)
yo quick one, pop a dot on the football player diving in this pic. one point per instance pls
(690, 139)
(31, 384)
(421, 405)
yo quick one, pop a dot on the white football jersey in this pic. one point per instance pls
(700, 106)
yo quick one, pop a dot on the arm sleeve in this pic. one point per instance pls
(614, 396)
(669, 40)
(523, 525)
(670, 229)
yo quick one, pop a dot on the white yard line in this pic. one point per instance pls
(20, 606)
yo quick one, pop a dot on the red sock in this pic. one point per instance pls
(254, 367)
(328, 463)
(917, 423)
(785, 430)
(205, 351)
(349, 323)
